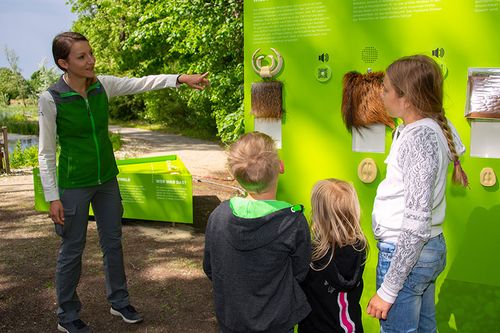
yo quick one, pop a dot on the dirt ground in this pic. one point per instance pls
(163, 264)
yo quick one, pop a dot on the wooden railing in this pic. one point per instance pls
(4, 151)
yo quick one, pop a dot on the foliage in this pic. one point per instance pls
(18, 80)
(14, 86)
(139, 37)
(20, 120)
(9, 85)
(126, 108)
(4, 98)
(20, 126)
(27, 157)
(116, 140)
(42, 79)
(29, 112)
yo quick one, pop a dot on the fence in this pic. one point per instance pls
(4, 151)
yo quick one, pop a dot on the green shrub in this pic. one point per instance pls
(21, 158)
(116, 140)
(126, 108)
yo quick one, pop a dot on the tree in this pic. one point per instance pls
(141, 37)
(8, 85)
(20, 82)
(42, 78)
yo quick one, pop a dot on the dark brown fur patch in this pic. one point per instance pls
(267, 99)
(361, 101)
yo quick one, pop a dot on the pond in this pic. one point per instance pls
(26, 141)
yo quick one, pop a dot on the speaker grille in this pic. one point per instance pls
(369, 54)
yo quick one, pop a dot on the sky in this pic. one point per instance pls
(28, 26)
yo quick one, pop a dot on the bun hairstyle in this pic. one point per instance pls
(254, 162)
(61, 45)
(420, 80)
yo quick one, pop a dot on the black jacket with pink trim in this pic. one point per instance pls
(334, 292)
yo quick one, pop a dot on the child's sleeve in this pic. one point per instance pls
(419, 161)
(302, 255)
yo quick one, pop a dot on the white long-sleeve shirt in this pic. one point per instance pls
(410, 204)
(47, 114)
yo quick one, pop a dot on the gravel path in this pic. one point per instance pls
(202, 158)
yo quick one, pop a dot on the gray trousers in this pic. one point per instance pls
(108, 210)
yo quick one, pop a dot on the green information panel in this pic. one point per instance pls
(156, 188)
(320, 41)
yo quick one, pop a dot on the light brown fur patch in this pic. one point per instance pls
(267, 99)
(361, 101)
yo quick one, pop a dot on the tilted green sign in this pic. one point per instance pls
(155, 188)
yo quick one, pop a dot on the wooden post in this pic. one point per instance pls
(6, 148)
(1, 155)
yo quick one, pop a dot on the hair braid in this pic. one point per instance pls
(420, 80)
(459, 176)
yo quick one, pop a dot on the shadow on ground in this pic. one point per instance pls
(163, 264)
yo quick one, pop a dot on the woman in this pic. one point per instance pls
(75, 110)
(410, 204)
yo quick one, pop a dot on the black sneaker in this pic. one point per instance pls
(76, 326)
(129, 314)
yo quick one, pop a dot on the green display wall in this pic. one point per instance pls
(359, 35)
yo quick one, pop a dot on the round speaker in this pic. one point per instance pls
(369, 54)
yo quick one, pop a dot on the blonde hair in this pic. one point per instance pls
(335, 217)
(420, 80)
(254, 162)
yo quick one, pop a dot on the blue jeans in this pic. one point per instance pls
(414, 309)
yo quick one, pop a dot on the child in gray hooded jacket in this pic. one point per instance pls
(257, 249)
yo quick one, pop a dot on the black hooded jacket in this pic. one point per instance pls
(255, 265)
(334, 292)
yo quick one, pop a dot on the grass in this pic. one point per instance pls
(20, 119)
(30, 111)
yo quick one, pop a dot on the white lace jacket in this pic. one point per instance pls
(410, 204)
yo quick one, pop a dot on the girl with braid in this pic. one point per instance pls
(410, 204)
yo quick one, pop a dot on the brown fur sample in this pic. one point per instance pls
(361, 101)
(266, 99)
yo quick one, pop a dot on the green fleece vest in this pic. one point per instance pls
(86, 157)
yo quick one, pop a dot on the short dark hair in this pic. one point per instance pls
(61, 45)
